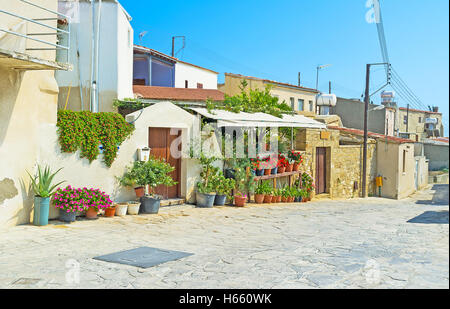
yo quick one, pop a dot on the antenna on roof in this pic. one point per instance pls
(141, 36)
(173, 44)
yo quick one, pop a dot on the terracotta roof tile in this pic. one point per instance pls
(373, 135)
(180, 94)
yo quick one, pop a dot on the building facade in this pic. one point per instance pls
(420, 125)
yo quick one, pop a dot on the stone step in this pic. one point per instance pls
(173, 202)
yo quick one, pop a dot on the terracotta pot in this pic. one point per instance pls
(281, 170)
(268, 199)
(110, 212)
(91, 213)
(267, 172)
(291, 199)
(274, 199)
(296, 167)
(284, 199)
(140, 192)
(240, 201)
(278, 199)
(289, 168)
(259, 198)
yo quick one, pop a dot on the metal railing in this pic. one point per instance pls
(39, 21)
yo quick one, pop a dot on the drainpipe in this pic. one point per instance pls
(97, 51)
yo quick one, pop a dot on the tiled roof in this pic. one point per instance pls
(373, 135)
(272, 82)
(419, 111)
(178, 94)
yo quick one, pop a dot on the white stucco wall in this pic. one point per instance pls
(194, 75)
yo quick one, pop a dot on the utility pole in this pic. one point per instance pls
(407, 119)
(366, 131)
(299, 79)
(329, 87)
(173, 46)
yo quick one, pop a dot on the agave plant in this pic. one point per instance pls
(42, 182)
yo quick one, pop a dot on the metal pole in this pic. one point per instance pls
(173, 46)
(407, 119)
(317, 78)
(329, 87)
(366, 131)
(299, 79)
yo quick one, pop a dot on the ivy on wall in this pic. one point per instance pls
(86, 131)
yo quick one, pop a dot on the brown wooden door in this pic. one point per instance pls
(321, 170)
(159, 140)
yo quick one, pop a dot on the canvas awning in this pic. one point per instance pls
(230, 119)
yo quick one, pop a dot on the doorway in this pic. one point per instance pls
(159, 141)
(321, 170)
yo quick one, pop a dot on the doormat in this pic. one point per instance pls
(143, 257)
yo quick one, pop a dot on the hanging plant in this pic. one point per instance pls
(86, 131)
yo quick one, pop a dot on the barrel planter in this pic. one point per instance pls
(121, 209)
(205, 200)
(149, 205)
(133, 208)
(41, 210)
(259, 198)
(220, 200)
(68, 217)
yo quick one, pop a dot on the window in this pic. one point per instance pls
(199, 86)
(293, 103)
(186, 84)
(324, 110)
(405, 120)
(311, 106)
(301, 105)
(404, 161)
(420, 119)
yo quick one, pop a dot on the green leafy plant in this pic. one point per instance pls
(223, 186)
(42, 182)
(264, 188)
(245, 181)
(86, 131)
(208, 174)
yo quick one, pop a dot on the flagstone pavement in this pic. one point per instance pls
(372, 243)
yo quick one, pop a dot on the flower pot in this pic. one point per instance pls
(267, 172)
(149, 205)
(278, 199)
(121, 209)
(259, 198)
(268, 199)
(205, 200)
(110, 212)
(229, 173)
(65, 216)
(259, 173)
(298, 200)
(220, 200)
(296, 167)
(240, 201)
(289, 168)
(91, 213)
(284, 199)
(140, 192)
(133, 208)
(41, 210)
(274, 200)
(291, 199)
(274, 171)
(281, 170)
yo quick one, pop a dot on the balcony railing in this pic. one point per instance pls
(39, 36)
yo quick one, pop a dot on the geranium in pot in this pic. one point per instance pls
(93, 201)
(156, 173)
(223, 188)
(296, 158)
(42, 185)
(69, 201)
(206, 193)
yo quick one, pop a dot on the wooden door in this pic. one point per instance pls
(321, 170)
(160, 141)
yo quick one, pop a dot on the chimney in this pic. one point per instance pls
(436, 109)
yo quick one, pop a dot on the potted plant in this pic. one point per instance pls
(94, 200)
(308, 185)
(206, 194)
(134, 207)
(42, 185)
(285, 195)
(278, 194)
(134, 177)
(245, 183)
(223, 188)
(110, 211)
(256, 166)
(69, 202)
(156, 173)
(121, 209)
(260, 192)
(296, 158)
(281, 164)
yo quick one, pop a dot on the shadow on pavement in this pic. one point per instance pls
(431, 217)
(440, 197)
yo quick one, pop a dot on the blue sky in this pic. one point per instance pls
(278, 39)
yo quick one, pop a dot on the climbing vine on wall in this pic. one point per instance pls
(86, 131)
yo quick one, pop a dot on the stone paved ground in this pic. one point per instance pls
(323, 244)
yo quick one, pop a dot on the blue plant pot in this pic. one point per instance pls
(274, 171)
(149, 205)
(259, 173)
(41, 210)
(205, 200)
(67, 216)
(220, 200)
(298, 199)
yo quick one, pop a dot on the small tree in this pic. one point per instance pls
(208, 174)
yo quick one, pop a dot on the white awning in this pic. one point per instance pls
(230, 119)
